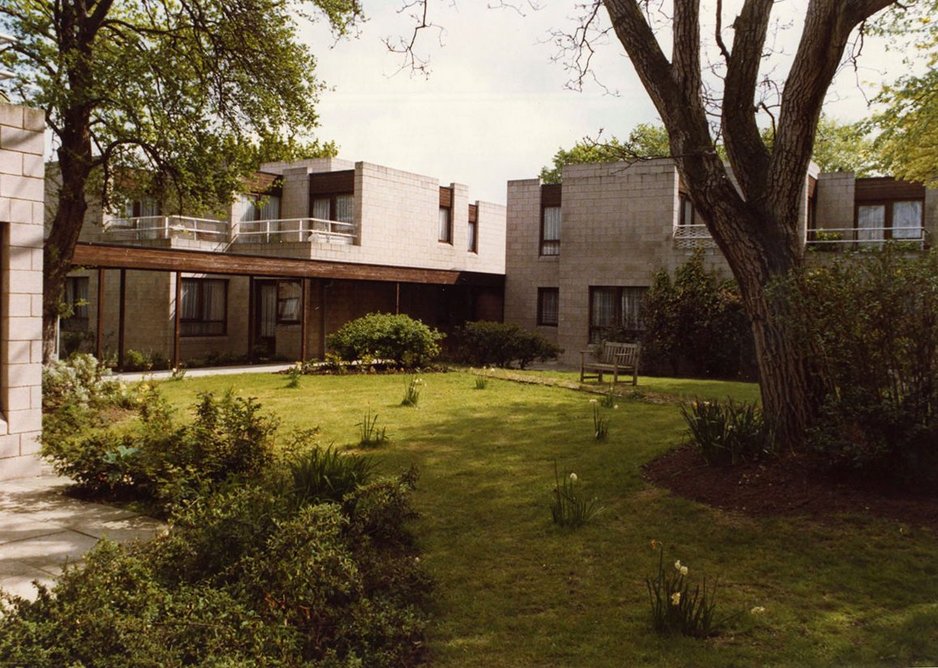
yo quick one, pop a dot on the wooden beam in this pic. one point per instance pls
(99, 328)
(122, 313)
(169, 259)
(177, 320)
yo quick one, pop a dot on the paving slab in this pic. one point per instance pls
(42, 529)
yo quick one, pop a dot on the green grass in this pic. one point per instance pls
(515, 590)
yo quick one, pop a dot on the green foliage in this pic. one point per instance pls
(371, 436)
(243, 577)
(840, 147)
(872, 317)
(644, 141)
(480, 383)
(695, 325)
(569, 508)
(79, 380)
(159, 462)
(412, 388)
(675, 607)
(294, 373)
(400, 338)
(600, 424)
(726, 433)
(136, 360)
(325, 474)
(484, 343)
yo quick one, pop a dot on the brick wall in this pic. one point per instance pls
(21, 232)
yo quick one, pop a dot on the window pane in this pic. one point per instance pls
(288, 301)
(271, 208)
(552, 223)
(548, 310)
(603, 307)
(870, 220)
(248, 209)
(471, 241)
(321, 208)
(631, 307)
(907, 220)
(444, 227)
(345, 208)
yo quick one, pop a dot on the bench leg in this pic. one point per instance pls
(615, 378)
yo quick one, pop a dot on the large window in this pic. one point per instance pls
(288, 302)
(339, 207)
(259, 207)
(204, 308)
(76, 298)
(548, 306)
(901, 219)
(615, 312)
(550, 230)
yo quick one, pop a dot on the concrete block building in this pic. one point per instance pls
(21, 217)
(582, 253)
(307, 247)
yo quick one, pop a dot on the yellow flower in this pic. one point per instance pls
(653, 544)
(758, 610)
(683, 570)
(676, 598)
(677, 565)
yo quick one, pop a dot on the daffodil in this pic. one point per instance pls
(676, 598)
(573, 477)
(758, 610)
(683, 570)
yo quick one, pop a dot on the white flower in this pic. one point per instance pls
(677, 565)
(573, 477)
(758, 610)
(683, 570)
(676, 598)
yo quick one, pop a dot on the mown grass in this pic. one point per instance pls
(514, 590)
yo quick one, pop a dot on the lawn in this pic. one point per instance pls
(514, 590)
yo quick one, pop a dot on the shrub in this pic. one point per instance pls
(675, 607)
(483, 343)
(726, 433)
(325, 474)
(80, 380)
(872, 318)
(695, 325)
(408, 342)
(568, 507)
(137, 360)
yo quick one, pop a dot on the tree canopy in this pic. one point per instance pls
(188, 92)
(644, 141)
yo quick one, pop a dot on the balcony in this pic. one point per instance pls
(835, 240)
(689, 237)
(295, 230)
(148, 229)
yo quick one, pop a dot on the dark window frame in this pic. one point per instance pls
(446, 204)
(541, 294)
(281, 300)
(193, 323)
(551, 198)
(595, 332)
(79, 320)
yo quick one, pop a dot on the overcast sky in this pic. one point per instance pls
(495, 106)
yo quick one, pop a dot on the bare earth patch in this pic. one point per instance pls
(786, 487)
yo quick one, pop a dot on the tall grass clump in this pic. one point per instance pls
(726, 433)
(569, 507)
(676, 605)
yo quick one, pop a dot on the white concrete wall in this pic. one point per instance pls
(21, 231)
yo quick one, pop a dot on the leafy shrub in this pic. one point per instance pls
(243, 577)
(408, 342)
(325, 474)
(137, 360)
(485, 343)
(872, 317)
(726, 433)
(695, 325)
(675, 607)
(80, 380)
(568, 507)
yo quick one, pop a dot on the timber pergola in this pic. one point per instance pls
(123, 258)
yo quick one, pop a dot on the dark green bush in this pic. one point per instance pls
(485, 343)
(382, 336)
(695, 325)
(726, 433)
(872, 318)
(325, 474)
(243, 577)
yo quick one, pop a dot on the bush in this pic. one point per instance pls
(243, 577)
(726, 433)
(325, 474)
(136, 360)
(484, 343)
(872, 317)
(79, 381)
(695, 325)
(408, 342)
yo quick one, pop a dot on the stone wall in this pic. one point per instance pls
(21, 235)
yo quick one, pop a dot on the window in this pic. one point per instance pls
(550, 230)
(548, 306)
(338, 207)
(76, 298)
(615, 311)
(288, 302)
(901, 219)
(204, 308)
(687, 211)
(142, 208)
(472, 235)
(445, 226)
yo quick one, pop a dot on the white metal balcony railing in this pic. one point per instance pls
(315, 230)
(831, 239)
(153, 228)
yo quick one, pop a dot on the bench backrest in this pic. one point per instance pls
(624, 353)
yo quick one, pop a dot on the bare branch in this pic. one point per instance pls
(411, 61)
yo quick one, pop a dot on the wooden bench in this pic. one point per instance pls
(612, 357)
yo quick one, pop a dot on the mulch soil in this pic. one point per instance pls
(787, 486)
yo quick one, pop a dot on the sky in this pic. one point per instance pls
(495, 106)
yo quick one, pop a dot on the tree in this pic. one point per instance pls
(183, 94)
(753, 217)
(908, 124)
(645, 141)
(844, 147)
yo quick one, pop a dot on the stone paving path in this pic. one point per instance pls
(41, 529)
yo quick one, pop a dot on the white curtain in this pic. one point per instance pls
(321, 208)
(871, 219)
(632, 307)
(907, 220)
(444, 228)
(345, 208)
(271, 208)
